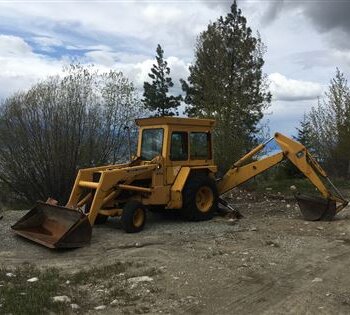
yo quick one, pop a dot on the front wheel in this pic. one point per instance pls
(133, 218)
(200, 198)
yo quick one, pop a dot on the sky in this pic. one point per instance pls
(306, 41)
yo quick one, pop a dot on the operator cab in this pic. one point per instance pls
(180, 141)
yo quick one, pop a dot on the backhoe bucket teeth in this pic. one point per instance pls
(54, 226)
(316, 208)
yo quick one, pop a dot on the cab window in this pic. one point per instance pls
(200, 146)
(152, 143)
(179, 146)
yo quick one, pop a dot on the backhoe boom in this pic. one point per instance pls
(296, 153)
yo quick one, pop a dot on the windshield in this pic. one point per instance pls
(152, 143)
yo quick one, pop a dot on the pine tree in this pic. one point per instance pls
(305, 134)
(226, 82)
(155, 94)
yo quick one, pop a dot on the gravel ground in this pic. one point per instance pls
(269, 262)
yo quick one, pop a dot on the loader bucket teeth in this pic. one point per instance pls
(54, 226)
(316, 208)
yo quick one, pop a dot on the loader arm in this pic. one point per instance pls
(297, 154)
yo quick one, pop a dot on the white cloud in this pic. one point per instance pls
(138, 72)
(46, 42)
(20, 66)
(12, 46)
(105, 58)
(285, 89)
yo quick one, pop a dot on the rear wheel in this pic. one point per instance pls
(200, 198)
(133, 217)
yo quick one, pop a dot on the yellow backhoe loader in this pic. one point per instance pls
(173, 169)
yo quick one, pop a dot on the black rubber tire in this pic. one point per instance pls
(101, 219)
(190, 210)
(128, 217)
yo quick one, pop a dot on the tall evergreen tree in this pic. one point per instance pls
(155, 94)
(227, 83)
(305, 135)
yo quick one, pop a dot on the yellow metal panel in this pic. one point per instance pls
(190, 122)
(160, 196)
(238, 175)
(176, 189)
(171, 173)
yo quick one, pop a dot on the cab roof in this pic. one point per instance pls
(175, 121)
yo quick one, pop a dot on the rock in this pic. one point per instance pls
(61, 299)
(293, 187)
(268, 188)
(35, 279)
(10, 275)
(272, 243)
(253, 228)
(317, 280)
(114, 302)
(67, 282)
(136, 280)
(74, 306)
(287, 205)
(320, 228)
(100, 307)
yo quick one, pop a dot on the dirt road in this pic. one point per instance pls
(270, 262)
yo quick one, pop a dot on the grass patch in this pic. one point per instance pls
(87, 288)
(96, 274)
(18, 296)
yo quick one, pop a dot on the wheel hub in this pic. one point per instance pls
(204, 199)
(139, 217)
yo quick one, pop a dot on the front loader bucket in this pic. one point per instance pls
(54, 226)
(316, 208)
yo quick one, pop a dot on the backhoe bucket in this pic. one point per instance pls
(316, 208)
(54, 226)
